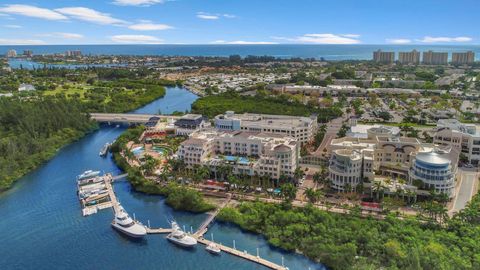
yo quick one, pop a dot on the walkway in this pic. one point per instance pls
(204, 227)
(244, 255)
(129, 118)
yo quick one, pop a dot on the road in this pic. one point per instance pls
(332, 129)
(465, 191)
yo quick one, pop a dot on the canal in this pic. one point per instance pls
(41, 226)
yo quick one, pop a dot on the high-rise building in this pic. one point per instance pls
(412, 57)
(435, 58)
(28, 53)
(75, 53)
(462, 58)
(12, 53)
(384, 57)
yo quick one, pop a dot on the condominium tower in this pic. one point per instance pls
(435, 58)
(384, 57)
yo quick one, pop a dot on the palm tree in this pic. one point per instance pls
(311, 195)
(377, 188)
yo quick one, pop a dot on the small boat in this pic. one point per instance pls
(125, 224)
(88, 174)
(104, 151)
(213, 248)
(179, 237)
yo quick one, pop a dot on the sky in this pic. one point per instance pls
(37, 22)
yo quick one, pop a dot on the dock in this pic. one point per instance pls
(244, 255)
(104, 183)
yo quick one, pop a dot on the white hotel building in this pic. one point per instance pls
(246, 152)
(301, 128)
(463, 137)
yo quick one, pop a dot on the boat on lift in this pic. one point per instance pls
(213, 248)
(125, 224)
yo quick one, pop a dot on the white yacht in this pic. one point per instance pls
(125, 224)
(104, 151)
(179, 237)
(88, 174)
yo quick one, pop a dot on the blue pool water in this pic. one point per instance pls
(41, 226)
(241, 160)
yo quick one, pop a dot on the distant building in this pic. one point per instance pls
(301, 128)
(384, 57)
(75, 53)
(435, 58)
(11, 53)
(26, 87)
(463, 58)
(412, 57)
(28, 53)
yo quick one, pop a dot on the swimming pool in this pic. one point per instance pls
(241, 160)
(138, 150)
(159, 149)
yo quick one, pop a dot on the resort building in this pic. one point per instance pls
(301, 128)
(412, 57)
(435, 58)
(190, 123)
(465, 138)
(246, 153)
(26, 87)
(383, 57)
(383, 154)
(463, 58)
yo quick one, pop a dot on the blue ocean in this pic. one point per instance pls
(328, 52)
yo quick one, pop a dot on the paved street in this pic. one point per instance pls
(466, 190)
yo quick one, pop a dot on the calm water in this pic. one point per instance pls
(41, 226)
(329, 52)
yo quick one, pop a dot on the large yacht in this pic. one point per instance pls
(125, 224)
(179, 237)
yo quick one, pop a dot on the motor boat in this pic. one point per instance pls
(213, 248)
(181, 238)
(88, 174)
(104, 151)
(125, 224)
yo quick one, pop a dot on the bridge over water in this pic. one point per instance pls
(127, 118)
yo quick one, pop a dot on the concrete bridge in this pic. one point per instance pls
(127, 118)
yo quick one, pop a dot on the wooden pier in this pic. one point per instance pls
(244, 255)
(158, 230)
(204, 227)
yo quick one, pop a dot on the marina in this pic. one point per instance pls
(54, 185)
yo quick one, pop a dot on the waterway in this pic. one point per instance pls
(41, 226)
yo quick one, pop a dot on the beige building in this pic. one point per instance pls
(435, 58)
(463, 58)
(247, 153)
(412, 57)
(354, 159)
(463, 137)
(301, 128)
(383, 57)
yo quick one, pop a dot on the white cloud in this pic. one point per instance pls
(324, 39)
(149, 27)
(209, 16)
(4, 41)
(137, 2)
(429, 39)
(62, 35)
(13, 26)
(136, 39)
(242, 42)
(398, 41)
(33, 11)
(90, 15)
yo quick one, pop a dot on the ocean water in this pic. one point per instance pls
(329, 52)
(41, 226)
